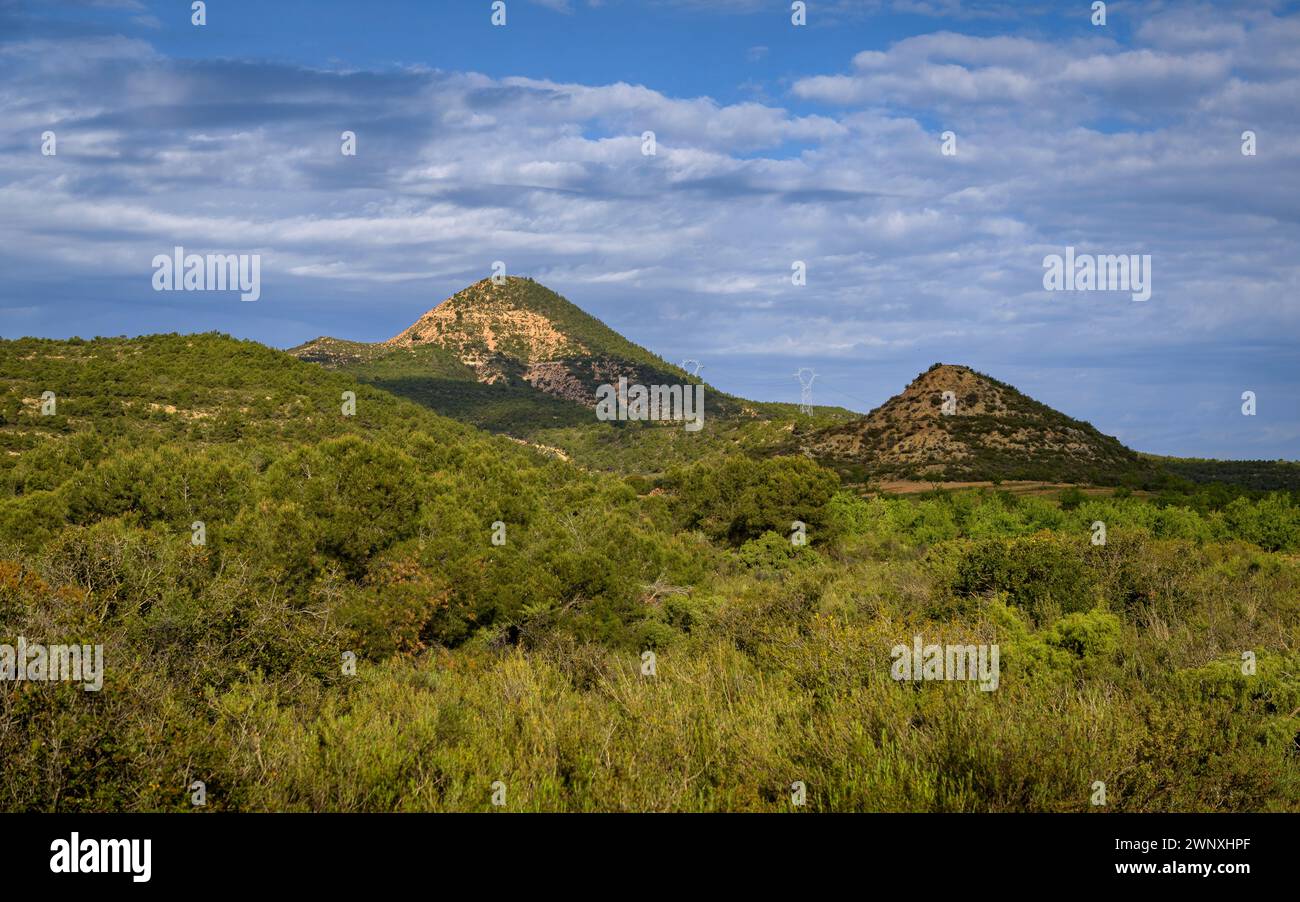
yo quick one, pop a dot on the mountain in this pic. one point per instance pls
(517, 333)
(989, 430)
(520, 360)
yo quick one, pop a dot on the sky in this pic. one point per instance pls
(821, 143)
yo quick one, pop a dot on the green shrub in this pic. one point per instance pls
(1088, 635)
(771, 552)
(1043, 574)
(1071, 498)
(740, 498)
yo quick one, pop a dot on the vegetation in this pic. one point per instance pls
(525, 662)
(503, 330)
(1261, 475)
(991, 431)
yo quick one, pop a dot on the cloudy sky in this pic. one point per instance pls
(774, 144)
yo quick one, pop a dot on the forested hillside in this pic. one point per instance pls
(310, 607)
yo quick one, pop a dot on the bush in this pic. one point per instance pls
(1272, 523)
(1071, 498)
(771, 552)
(739, 498)
(1088, 635)
(1043, 574)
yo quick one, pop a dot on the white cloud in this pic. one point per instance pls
(1110, 147)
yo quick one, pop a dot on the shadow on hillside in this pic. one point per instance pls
(497, 408)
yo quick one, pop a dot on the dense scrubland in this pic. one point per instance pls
(523, 662)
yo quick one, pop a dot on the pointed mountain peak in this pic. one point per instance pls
(967, 393)
(518, 319)
(521, 330)
(952, 422)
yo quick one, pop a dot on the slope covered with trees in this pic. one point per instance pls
(501, 604)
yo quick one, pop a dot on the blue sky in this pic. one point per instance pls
(775, 143)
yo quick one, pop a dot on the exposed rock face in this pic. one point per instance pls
(521, 330)
(986, 429)
(564, 380)
(480, 323)
(518, 336)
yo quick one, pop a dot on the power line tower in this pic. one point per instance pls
(805, 375)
